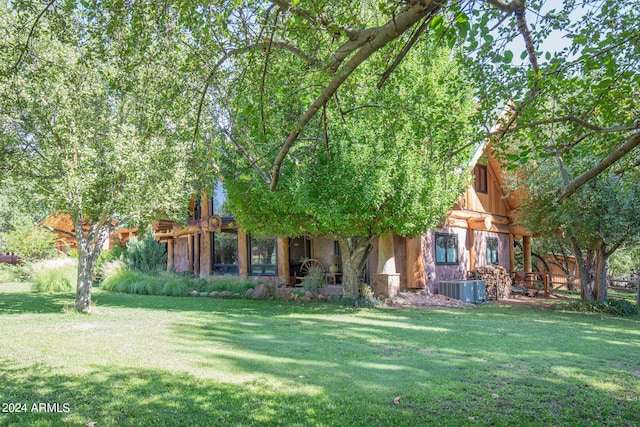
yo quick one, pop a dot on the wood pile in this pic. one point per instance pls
(497, 280)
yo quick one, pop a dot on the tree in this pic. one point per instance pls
(600, 218)
(93, 117)
(378, 161)
(597, 76)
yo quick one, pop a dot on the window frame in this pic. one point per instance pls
(451, 237)
(481, 179)
(262, 267)
(490, 252)
(224, 268)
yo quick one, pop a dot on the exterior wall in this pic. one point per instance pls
(437, 273)
(480, 243)
(491, 202)
(322, 249)
(180, 255)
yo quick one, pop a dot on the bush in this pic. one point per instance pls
(31, 243)
(58, 275)
(13, 273)
(117, 277)
(364, 300)
(233, 284)
(617, 307)
(145, 254)
(315, 280)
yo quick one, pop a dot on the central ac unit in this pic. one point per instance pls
(474, 291)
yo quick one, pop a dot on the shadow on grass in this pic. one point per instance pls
(27, 302)
(109, 396)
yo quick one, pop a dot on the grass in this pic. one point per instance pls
(56, 275)
(142, 360)
(117, 277)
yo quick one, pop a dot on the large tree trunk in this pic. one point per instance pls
(89, 248)
(584, 268)
(354, 252)
(600, 274)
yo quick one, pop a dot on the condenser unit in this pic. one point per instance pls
(474, 291)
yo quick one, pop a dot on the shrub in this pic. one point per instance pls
(145, 254)
(55, 276)
(31, 243)
(315, 280)
(617, 307)
(13, 273)
(364, 300)
(233, 284)
(117, 277)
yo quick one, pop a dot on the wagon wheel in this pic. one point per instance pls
(306, 267)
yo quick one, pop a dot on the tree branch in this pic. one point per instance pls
(407, 47)
(377, 39)
(55, 230)
(569, 118)
(33, 28)
(614, 156)
(253, 162)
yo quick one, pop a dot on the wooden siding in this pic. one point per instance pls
(492, 202)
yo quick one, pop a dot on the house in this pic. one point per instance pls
(62, 226)
(479, 230)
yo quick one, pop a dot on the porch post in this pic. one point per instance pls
(169, 254)
(243, 256)
(283, 260)
(526, 255)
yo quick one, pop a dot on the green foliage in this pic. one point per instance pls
(30, 243)
(315, 280)
(366, 299)
(145, 254)
(617, 307)
(58, 275)
(118, 277)
(624, 262)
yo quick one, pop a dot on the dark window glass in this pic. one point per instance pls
(446, 249)
(492, 250)
(225, 252)
(480, 179)
(263, 256)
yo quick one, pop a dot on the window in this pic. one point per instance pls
(218, 202)
(492, 251)
(224, 248)
(263, 256)
(446, 249)
(480, 179)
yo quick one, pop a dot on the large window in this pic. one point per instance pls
(218, 202)
(492, 251)
(263, 256)
(446, 249)
(480, 179)
(224, 249)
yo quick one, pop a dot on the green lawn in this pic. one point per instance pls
(199, 361)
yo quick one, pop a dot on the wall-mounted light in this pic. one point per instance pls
(431, 275)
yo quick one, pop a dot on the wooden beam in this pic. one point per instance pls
(472, 248)
(283, 260)
(169, 254)
(512, 254)
(205, 254)
(414, 263)
(243, 255)
(526, 254)
(477, 216)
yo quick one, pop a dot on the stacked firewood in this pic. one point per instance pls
(497, 280)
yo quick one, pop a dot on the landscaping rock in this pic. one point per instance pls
(322, 297)
(285, 294)
(249, 292)
(204, 294)
(225, 294)
(307, 298)
(261, 292)
(214, 294)
(194, 293)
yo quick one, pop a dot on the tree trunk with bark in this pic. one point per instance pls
(89, 247)
(354, 252)
(601, 268)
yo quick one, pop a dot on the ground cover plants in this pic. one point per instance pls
(140, 360)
